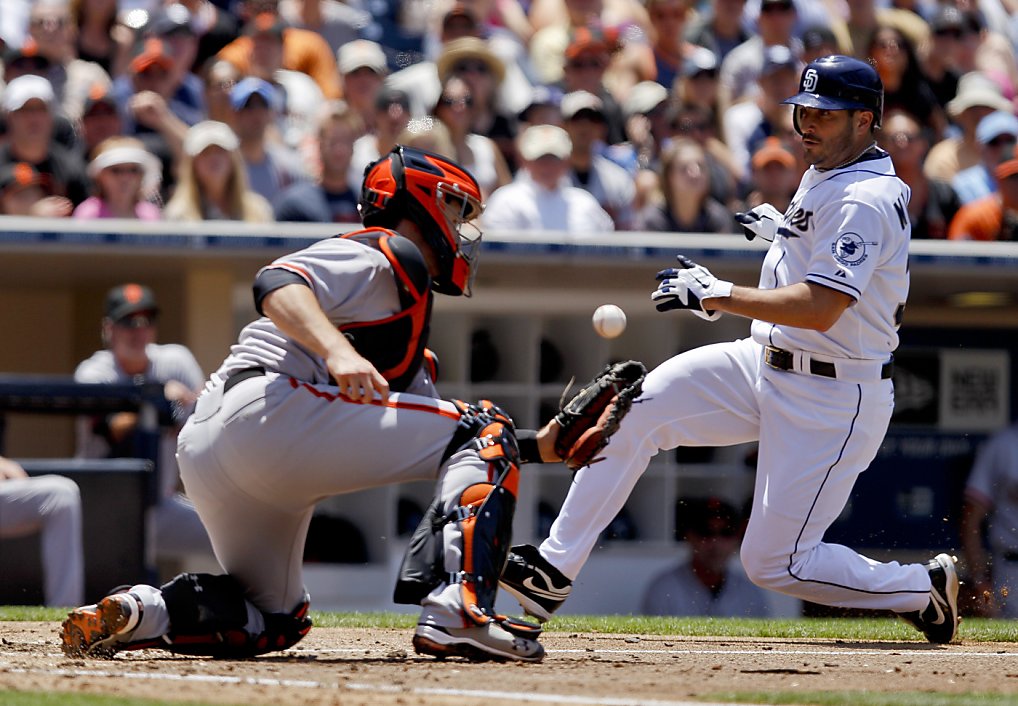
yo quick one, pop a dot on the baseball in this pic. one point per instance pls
(609, 321)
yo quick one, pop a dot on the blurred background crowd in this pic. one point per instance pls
(588, 115)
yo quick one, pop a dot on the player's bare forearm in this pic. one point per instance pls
(295, 311)
(546, 436)
(803, 305)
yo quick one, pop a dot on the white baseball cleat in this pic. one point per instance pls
(479, 643)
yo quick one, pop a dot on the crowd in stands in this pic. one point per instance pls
(579, 115)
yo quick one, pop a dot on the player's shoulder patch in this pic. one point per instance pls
(851, 249)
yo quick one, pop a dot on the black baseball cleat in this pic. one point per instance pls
(536, 584)
(939, 620)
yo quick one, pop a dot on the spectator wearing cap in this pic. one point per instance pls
(818, 41)
(472, 60)
(125, 176)
(25, 191)
(865, 17)
(993, 217)
(998, 134)
(587, 57)
(268, 43)
(933, 203)
(774, 175)
(100, 120)
(741, 68)
(905, 85)
(698, 84)
(648, 127)
(26, 59)
(478, 154)
(977, 97)
(606, 181)
(940, 60)
(174, 26)
(747, 124)
(332, 198)
(213, 180)
(27, 107)
(686, 205)
(218, 78)
(270, 165)
(130, 355)
(392, 115)
(720, 28)
(541, 197)
(544, 108)
(362, 71)
(50, 27)
(709, 581)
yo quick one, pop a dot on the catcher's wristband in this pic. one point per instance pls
(526, 440)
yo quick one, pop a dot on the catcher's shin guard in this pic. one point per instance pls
(209, 617)
(484, 513)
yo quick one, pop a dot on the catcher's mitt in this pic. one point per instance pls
(590, 418)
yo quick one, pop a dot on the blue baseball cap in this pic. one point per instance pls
(250, 86)
(996, 124)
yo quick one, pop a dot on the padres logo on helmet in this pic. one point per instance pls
(839, 83)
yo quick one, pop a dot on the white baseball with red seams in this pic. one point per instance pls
(609, 321)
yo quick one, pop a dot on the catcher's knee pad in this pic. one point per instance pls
(209, 616)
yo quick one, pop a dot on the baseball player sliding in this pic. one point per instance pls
(329, 392)
(812, 383)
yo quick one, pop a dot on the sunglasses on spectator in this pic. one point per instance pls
(1002, 141)
(580, 64)
(452, 102)
(478, 67)
(119, 169)
(952, 32)
(777, 7)
(902, 140)
(29, 64)
(687, 126)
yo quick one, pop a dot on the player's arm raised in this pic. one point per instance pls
(296, 312)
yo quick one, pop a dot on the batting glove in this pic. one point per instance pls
(686, 286)
(762, 221)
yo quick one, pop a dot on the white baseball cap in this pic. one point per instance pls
(26, 88)
(644, 97)
(573, 103)
(360, 53)
(540, 140)
(207, 133)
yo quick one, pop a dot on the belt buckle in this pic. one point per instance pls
(778, 358)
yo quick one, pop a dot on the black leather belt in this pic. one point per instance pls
(785, 360)
(240, 376)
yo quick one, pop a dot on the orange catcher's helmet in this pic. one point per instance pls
(439, 196)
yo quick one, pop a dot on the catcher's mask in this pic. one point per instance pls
(440, 197)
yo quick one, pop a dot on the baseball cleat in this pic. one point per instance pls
(480, 643)
(534, 582)
(939, 620)
(92, 630)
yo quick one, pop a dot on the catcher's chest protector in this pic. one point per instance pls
(395, 345)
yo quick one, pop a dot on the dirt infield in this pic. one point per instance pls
(378, 667)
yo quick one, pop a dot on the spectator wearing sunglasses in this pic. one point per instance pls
(124, 177)
(933, 203)
(478, 154)
(587, 57)
(709, 581)
(997, 134)
(742, 67)
(720, 29)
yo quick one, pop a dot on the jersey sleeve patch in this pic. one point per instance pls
(851, 249)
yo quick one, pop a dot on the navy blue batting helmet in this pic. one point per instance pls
(840, 83)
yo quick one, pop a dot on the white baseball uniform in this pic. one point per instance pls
(847, 229)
